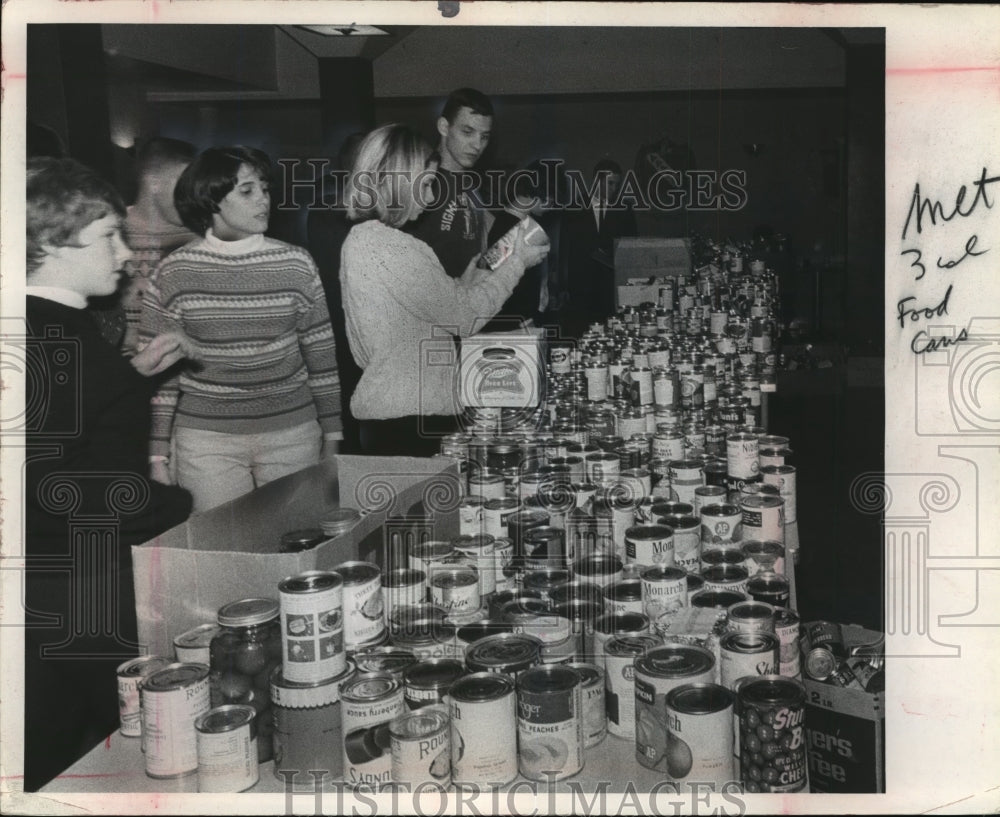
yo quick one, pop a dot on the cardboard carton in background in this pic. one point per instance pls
(229, 553)
(650, 257)
(502, 369)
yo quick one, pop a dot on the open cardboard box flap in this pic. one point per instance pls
(228, 553)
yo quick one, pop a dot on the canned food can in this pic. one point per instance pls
(602, 569)
(312, 626)
(391, 659)
(750, 617)
(657, 673)
(727, 554)
(595, 724)
(742, 455)
(487, 485)
(506, 653)
(130, 677)
(774, 456)
(597, 382)
(763, 557)
(664, 592)
(700, 735)
(483, 709)
(543, 580)
(727, 577)
(481, 550)
(685, 477)
(192, 647)
(650, 545)
(296, 541)
(172, 699)
(470, 515)
(402, 587)
(227, 749)
(668, 445)
(786, 627)
(747, 654)
(550, 723)
(782, 476)
(456, 589)
(687, 540)
(772, 730)
(619, 692)
(555, 634)
(495, 513)
(576, 589)
(421, 748)
(720, 524)
(364, 608)
(503, 554)
(611, 625)
(623, 596)
(429, 556)
(370, 701)
(427, 682)
(763, 517)
(603, 468)
(770, 588)
(705, 495)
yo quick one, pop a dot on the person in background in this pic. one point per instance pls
(456, 225)
(264, 400)
(87, 496)
(399, 301)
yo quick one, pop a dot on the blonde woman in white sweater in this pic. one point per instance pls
(401, 307)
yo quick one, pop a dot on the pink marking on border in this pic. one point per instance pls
(16, 76)
(954, 70)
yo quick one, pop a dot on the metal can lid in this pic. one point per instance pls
(726, 572)
(717, 599)
(358, 572)
(761, 500)
(295, 695)
(421, 723)
(682, 509)
(548, 679)
(649, 532)
(480, 687)
(403, 577)
(143, 665)
(768, 580)
(748, 643)
(772, 690)
(590, 674)
(630, 645)
(678, 522)
(675, 661)
(545, 577)
(408, 617)
(522, 607)
(340, 521)
(476, 543)
(430, 549)
(311, 581)
(624, 590)
(200, 636)
(751, 611)
(576, 589)
(449, 578)
(247, 612)
(175, 676)
(366, 687)
(302, 539)
(700, 699)
(433, 673)
(512, 651)
(622, 623)
(578, 609)
(383, 659)
(721, 509)
(768, 546)
(663, 573)
(225, 718)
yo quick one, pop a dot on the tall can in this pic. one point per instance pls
(172, 700)
(312, 626)
(483, 708)
(623, 596)
(772, 730)
(550, 723)
(700, 735)
(685, 477)
(364, 606)
(595, 724)
(619, 680)
(783, 476)
(130, 677)
(370, 702)
(227, 749)
(656, 673)
(664, 592)
(421, 748)
(747, 654)
(786, 627)
(742, 455)
(763, 517)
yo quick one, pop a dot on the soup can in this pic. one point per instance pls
(312, 626)
(747, 654)
(619, 692)
(227, 749)
(421, 748)
(700, 735)
(369, 701)
(130, 676)
(650, 545)
(427, 682)
(595, 724)
(364, 618)
(772, 730)
(483, 709)
(172, 699)
(550, 723)
(657, 673)
(763, 517)
(192, 647)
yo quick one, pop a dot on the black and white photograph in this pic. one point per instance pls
(499, 408)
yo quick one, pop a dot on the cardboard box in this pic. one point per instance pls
(184, 576)
(651, 257)
(635, 294)
(845, 732)
(502, 369)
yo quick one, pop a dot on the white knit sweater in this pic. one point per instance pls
(401, 310)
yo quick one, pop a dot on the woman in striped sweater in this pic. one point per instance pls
(264, 399)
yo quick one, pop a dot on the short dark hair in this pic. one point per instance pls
(210, 178)
(466, 98)
(608, 166)
(62, 197)
(160, 151)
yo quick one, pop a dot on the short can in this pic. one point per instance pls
(664, 592)
(364, 619)
(770, 588)
(721, 524)
(481, 551)
(747, 654)
(602, 569)
(650, 545)
(421, 748)
(595, 723)
(370, 701)
(787, 624)
(619, 680)
(750, 617)
(130, 677)
(762, 557)
(172, 700)
(483, 709)
(742, 455)
(623, 596)
(550, 723)
(726, 577)
(763, 517)
(312, 626)
(456, 589)
(227, 749)
(401, 587)
(427, 682)
(687, 540)
(773, 752)
(192, 646)
(700, 735)
(506, 653)
(656, 673)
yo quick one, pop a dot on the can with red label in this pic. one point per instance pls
(550, 723)
(700, 735)
(483, 708)
(763, 517)
(772, 735)
(747, 654)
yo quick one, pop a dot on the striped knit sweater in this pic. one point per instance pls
(257, 312)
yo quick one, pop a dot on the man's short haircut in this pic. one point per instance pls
(386, 157)
(210, 178)
(159, 152)
(608, 166)
(62, 198)
(466, 98)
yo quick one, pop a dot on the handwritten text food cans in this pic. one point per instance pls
(172, 699)
(747, 654)
(763, 517)
(700, 735)
(595, 724)
(312, 626)
(227, 749)
(619, 680)
(550, 723)
(364, 622)
(369, 701)
(483, 708)
(772, 735)
(130, 677)
(421, 748)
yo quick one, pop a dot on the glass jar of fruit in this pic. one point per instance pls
(242, 656)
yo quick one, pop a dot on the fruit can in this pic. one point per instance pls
(227, 749)
(364, 619)
(650, 545)
(700, 735)
(772, 735)
(456, 589)
(483, 709)
(657, 673)
(595, 723)
(763, 517)
(172, 700)
(192, 647)
(550, 723)
(421, 748)
(369, 701)
(664, 591)
(312, 626)
(130, 677)
(747, 654)
(619, 680)
(687, 539)
(786, 627)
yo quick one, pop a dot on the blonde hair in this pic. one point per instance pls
(387, 166)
